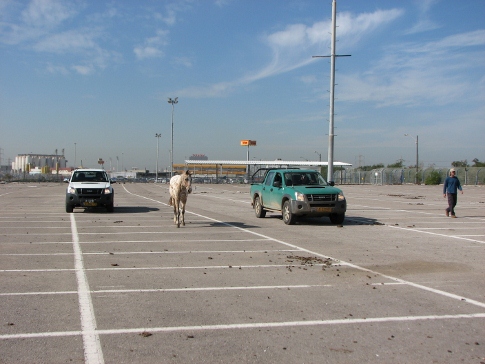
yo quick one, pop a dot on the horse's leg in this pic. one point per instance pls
(183, 202)
(177, 217)
(175, 211)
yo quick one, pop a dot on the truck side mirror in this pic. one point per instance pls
(331, 183)
(277, 184)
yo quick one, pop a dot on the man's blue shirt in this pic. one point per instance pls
(451, 185)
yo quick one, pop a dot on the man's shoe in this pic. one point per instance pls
(453, 216)
(447, 213)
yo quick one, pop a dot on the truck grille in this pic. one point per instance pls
(322, 198)
(89, 191)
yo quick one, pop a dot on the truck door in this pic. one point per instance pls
(272, 190)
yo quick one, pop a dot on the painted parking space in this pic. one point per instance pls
(133, 287)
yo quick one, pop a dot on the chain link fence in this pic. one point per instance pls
(398, 176)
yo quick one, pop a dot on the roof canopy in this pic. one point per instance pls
(265, 163)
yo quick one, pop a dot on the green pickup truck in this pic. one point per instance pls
(297, 192)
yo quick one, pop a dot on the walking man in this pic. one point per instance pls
(450, 189)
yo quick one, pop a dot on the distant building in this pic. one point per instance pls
(198, 157)
(27, 162)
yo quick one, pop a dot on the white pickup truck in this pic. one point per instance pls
(89, 188)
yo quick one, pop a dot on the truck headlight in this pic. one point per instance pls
(299, 196)
(71, 190)
(341, 197)
(107, 191)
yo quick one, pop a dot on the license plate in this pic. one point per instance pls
(323, 209)
(90, 203)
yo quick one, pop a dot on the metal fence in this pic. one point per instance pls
(382, 176)
(398, 176)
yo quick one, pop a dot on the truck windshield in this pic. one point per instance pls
(89, 176)
(304, 179)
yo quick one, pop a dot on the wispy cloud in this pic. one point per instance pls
(40, 18)
(419, 73)
(293, 47)
(152, 47)
(68, 42)
(424, 23)
(47, 13)
(41, 27)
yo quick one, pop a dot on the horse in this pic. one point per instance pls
(180, 187)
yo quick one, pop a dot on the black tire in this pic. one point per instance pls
(258, 208)
(69, 208)
(110, 207)
(337, 218)
(288, 217)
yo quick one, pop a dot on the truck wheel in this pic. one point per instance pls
(337, 218)
(288, 217)
(110, 208)
(69, 208)
(258, 208)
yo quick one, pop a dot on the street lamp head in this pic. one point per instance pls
(174, 101)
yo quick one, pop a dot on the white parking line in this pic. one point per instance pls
(93, 353)
(353, 321)
(419, 286)
(235, 266)
(436, 234)
(159, 252)
(185, 289)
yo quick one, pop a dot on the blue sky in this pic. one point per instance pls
(97, 75)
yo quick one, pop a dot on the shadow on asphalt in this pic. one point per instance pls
(122, 210)
(232, 223)
(350, 220)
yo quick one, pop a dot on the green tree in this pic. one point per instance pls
(477, 163)
(370, 168)
(434, 178)
(460, 163)
(399, 164)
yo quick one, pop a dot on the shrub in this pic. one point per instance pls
(433, 178)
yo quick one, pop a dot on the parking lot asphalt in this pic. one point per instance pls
(397, 282)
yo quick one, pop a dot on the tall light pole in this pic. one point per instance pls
(417, 160)
(158, 138)
(332, 57)
(75, 155)
(173, 102)
(319, 156)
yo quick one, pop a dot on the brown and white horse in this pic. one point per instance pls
(180, 187)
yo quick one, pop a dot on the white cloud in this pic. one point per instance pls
(419, 74)
(53, 69)
(147, 52)
(184, 61)
(40, 18)
(293, 47)
(83, 70)
(47, 13)
(152, 46)
(70, 41)
(424, 23)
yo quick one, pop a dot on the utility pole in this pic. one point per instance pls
(332, 90)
